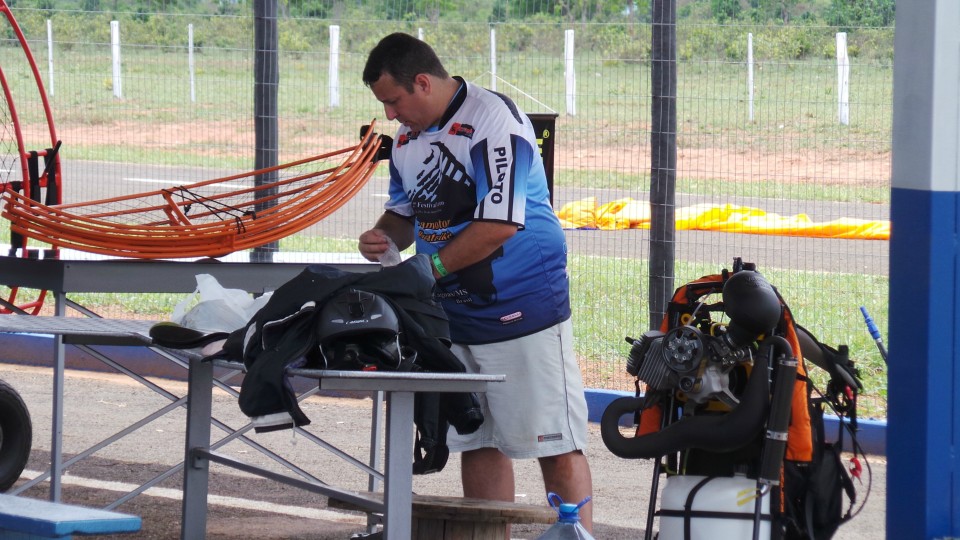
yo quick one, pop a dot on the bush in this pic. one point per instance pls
(540, 33)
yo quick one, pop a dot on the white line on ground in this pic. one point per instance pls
(172, 183)
(233, 502)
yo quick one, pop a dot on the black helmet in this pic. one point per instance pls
(359, 329)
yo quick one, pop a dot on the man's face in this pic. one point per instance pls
(411, 109)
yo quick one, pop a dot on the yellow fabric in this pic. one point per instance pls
(579, 214)
(631, 214)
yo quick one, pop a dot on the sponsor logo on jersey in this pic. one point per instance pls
(463, 130)
(407, 137)
(511, 317)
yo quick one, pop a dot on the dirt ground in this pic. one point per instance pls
(98, 405)
(838, 166)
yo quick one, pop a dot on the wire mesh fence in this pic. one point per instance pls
(783, 135)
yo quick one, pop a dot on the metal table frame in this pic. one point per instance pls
(77, 272)
(398, 472)
(63, 276)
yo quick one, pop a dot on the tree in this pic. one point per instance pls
(725, 10)
(572, 10)
(767, 10)
(860, 13)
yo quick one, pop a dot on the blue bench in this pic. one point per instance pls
(22, 518)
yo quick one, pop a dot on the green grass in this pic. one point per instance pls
(609, 302)
(794, 110)
(717, 187)
(794, 118)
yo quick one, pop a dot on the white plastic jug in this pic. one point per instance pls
(735, 496)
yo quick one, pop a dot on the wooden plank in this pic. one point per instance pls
(466, 509)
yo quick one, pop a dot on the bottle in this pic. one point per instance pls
(568, 525)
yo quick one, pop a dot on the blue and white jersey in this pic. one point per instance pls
(482, 164)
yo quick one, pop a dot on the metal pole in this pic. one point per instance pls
(333, 69)
(493, 59)
(191, 64)
(843, 79)
(750, 73)
(569, 72)
(663, 160)
(923, 472)
(266, 80)
(50, 53)
(115, 59)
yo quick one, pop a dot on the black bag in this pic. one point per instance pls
(814, 494)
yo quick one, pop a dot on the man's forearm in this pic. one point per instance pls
(398, 228)
(475, 243)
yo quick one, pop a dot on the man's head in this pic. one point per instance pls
(403, 57)
(407, 77)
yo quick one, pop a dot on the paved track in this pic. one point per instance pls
(89, 180)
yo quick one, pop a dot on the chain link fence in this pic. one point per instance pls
(783, 134)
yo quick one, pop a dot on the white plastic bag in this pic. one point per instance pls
(390, 257)
(213, 308)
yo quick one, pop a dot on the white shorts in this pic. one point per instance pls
(540, 409)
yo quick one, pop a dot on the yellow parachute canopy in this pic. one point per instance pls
(628, 213)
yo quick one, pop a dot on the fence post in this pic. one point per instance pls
(50, 54)
(843, 79)
(420, 34)
(493, 59)
(334, 69)
(570, 75)
(750, 73)
(190, 63)
(115, 51)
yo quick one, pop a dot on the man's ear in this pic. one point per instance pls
(423, 83)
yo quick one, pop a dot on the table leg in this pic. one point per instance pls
(398, 478)
(59, 365)
(375, 443)
(196, 470)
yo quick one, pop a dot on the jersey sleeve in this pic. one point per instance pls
(398, 202)
(503, 160)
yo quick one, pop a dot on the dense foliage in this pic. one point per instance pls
(849, 14)
(782, 29)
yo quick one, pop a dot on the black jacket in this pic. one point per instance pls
(283, 335)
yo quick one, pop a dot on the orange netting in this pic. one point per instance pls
(204, 219)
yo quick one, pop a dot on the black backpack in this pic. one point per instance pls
(819, 496)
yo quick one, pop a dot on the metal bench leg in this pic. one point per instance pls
(59, 365)
(196, 470)
(375, 443)
(398, 480)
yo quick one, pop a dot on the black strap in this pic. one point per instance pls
(33, 170)
(688, 506)
(711, 514)
(50, 170)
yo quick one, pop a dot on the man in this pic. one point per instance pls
(467, 184)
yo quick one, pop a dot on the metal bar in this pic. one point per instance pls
(56, 443)
(365, 503)
(196, 471)
(376, 441)
(398, 481)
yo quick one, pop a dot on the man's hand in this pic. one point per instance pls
(373, 244)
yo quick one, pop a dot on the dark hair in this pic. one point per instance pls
(403, 57)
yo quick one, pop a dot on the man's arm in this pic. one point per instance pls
(373, 243)
(473, 244)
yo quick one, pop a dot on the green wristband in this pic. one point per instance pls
(435, 258)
